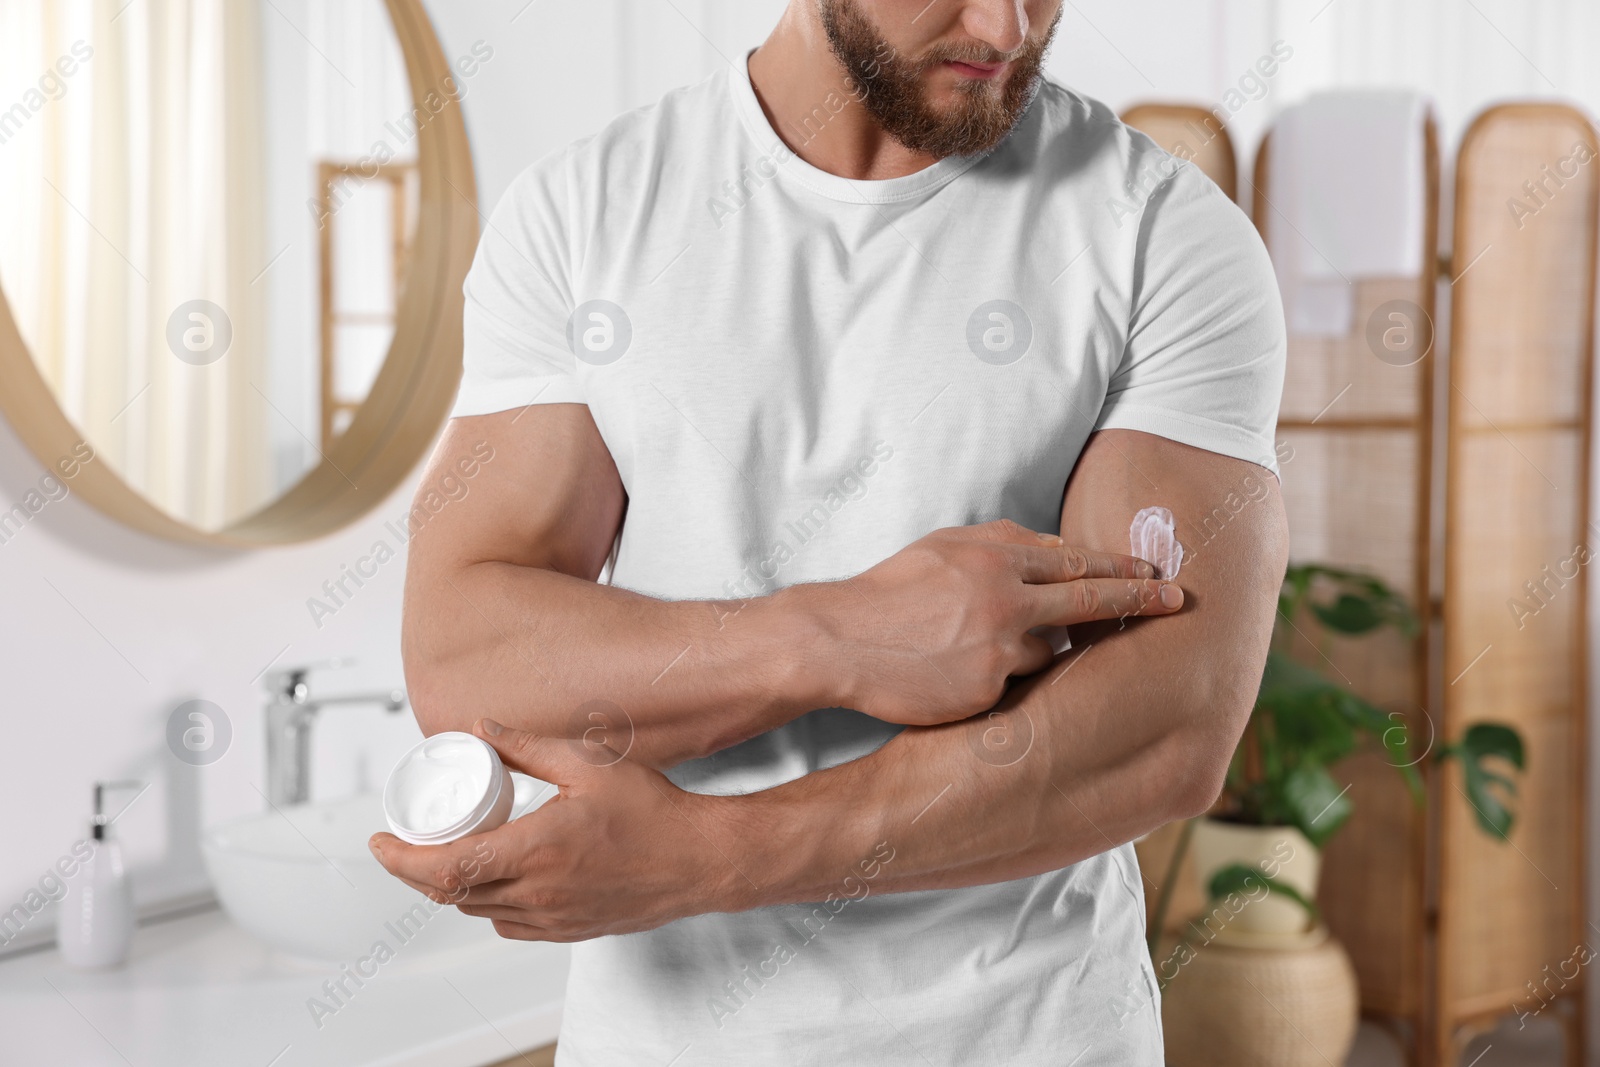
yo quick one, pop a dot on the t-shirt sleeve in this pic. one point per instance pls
(518, 299)
(1204, 359)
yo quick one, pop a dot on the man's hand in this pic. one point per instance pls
(933, 633)
(619, 850)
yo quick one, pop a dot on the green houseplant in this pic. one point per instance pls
(1304, 723)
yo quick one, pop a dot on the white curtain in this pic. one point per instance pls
(134, 189)
(1466, 54)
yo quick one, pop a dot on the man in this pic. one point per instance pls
(807, 353)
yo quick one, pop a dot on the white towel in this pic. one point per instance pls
(1348, 182)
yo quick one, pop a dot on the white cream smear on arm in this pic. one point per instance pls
(1153, 538)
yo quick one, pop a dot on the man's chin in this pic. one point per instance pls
(959, 122)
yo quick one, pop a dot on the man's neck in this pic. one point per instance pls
(801, 86)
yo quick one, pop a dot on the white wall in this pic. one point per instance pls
(105, 630)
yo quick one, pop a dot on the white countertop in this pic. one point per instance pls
(199, 992)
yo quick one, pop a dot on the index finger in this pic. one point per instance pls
(1066, 604)
(450, 868)
(1041, 564)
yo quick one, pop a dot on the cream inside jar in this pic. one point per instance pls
(451, 785)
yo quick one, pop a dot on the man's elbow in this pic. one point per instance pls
(1203, 756)
(426, 685)
(1196, 793)
(432, 684)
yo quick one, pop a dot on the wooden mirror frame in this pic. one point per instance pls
(409, 399)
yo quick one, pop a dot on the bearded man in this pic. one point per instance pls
(822, 397)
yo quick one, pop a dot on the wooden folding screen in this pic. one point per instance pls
(1195, 134)
(1358, 420)
(1511, 915)
(1451, 930)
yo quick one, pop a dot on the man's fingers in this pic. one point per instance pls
(519, 931)
(509, 912)
(450, 868)
(1067, 603)
(1038, 564)
(546, 758)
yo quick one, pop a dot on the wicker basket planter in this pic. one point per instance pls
(1236, 1003)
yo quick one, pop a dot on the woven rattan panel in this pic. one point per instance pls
(1513, 613)
(1353, 486)
(1337, 380)
(1357, 415)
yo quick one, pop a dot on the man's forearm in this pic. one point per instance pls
(659, 681)
(1068, 766)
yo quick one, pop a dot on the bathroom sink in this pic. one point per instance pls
(300, 878)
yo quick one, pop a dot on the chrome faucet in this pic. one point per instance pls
(290, 712)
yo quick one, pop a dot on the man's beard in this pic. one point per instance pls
(892, 87)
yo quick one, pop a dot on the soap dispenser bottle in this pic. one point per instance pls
(95, 925)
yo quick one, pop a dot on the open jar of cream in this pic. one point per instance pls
(451, 785)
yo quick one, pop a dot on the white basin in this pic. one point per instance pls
(301, 879)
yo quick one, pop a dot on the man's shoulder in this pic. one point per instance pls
(1078, 134)
(637, 141)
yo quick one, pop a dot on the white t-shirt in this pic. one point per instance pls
(799, 374)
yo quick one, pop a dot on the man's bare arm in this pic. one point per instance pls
(1133, 727)
(504, 618)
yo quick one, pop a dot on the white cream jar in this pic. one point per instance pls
(451, 785)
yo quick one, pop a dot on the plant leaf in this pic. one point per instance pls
(1483, 741)
(1240, 878)
(1318, 804)
(1362, 602)
(1480, 784)
(1350, 614)
(1303, 722)
(1493, 816)
(1306, 714)
(1494, 739)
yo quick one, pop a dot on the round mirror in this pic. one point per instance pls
(231, 253)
